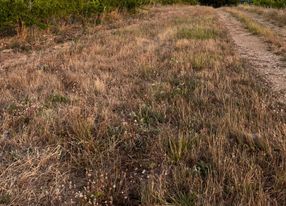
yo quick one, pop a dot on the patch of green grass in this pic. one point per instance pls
(184, 86)
(202, 60)
(177, 147)
(148, 117)
(55, 99)
(197, 33)
(12, 108)
(184, 199)
(5, 199)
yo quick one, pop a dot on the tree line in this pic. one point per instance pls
(42, 13)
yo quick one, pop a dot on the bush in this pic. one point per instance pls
(20, 13)
(39, 12)
(219, 3)
(192, 2)
(271, 3)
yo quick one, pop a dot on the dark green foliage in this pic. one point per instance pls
(40, 12)
(218, 3)
(271, 3)
(20, 13)
(192, 2)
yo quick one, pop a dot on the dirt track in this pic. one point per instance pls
(278, 28)
(269, 66)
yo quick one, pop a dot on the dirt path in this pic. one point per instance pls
(252, 48)
(280, 30)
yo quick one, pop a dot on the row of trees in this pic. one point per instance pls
(218, 3)
(20, 13)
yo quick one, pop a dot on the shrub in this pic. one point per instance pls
(20, 13)
(192, 2)
(39, 12)
(271, 3)
(218, 3)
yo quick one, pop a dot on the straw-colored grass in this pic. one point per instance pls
(140, 114)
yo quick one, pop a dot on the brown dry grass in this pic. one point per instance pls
(148, 113)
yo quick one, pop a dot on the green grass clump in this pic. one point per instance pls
(55, 99)
(197, 32)
(177, 148)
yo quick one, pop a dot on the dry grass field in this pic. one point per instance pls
(156, 109)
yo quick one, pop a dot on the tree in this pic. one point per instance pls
(218, 3)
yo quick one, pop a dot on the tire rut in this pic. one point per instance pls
(280, 30)
(268, 65)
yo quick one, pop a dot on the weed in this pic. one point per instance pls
(177, 147)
